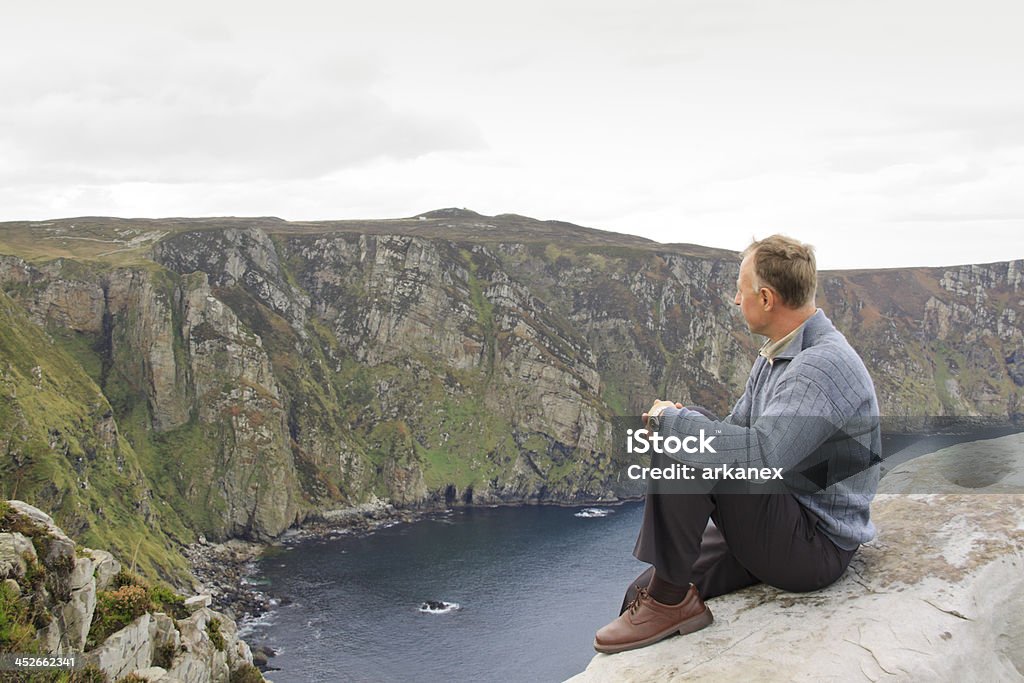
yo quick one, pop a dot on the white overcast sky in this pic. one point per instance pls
(887, 133)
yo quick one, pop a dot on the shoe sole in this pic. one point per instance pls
(694, 623)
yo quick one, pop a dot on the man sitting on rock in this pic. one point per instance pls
(809, 412)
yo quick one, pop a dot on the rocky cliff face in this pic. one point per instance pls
(62, 447)
(939, 341)
(271, 371)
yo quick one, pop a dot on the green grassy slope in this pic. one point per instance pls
(60, 451)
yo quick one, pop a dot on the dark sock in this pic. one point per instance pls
(666, 593)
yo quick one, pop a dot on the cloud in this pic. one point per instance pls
(205, 30)
(976, 134)
(971, 217)
(207, 114)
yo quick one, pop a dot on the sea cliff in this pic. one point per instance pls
(232, 378)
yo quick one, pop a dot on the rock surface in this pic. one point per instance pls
(202, 647)
(938, 595)
(16, 551)
(125, 651)
(981, 467)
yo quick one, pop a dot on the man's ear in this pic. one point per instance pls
(767, 298)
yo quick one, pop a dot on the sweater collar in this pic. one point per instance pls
(797, 340)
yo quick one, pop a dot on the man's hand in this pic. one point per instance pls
(656, 409)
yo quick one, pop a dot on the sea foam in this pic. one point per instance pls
(593, 512)
(439, 607)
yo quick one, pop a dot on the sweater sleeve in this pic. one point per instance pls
(740, 414)
(798, 419)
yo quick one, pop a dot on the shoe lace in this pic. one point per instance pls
(641, 595)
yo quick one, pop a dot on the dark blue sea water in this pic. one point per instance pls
(533, 585)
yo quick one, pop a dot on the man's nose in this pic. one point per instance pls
(736, 299)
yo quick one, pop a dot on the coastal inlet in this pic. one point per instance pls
(510, 594)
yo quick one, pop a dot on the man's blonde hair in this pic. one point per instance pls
(786, 266)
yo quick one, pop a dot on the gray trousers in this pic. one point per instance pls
(750, 538)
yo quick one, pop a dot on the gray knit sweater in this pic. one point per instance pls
(812, 411)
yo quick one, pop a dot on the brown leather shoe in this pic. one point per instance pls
(647, 621)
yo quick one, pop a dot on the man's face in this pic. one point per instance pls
(748, 299)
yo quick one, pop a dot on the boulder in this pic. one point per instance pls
(164, 633)
(105, 568)
(155, 674)
(129, 649)
(201, 659)
(938, 595)
(60, 550)
(81, 604)
(197, 602)
(14, 548)
(34, 514)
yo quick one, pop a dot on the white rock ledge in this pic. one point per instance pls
(938, 596)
